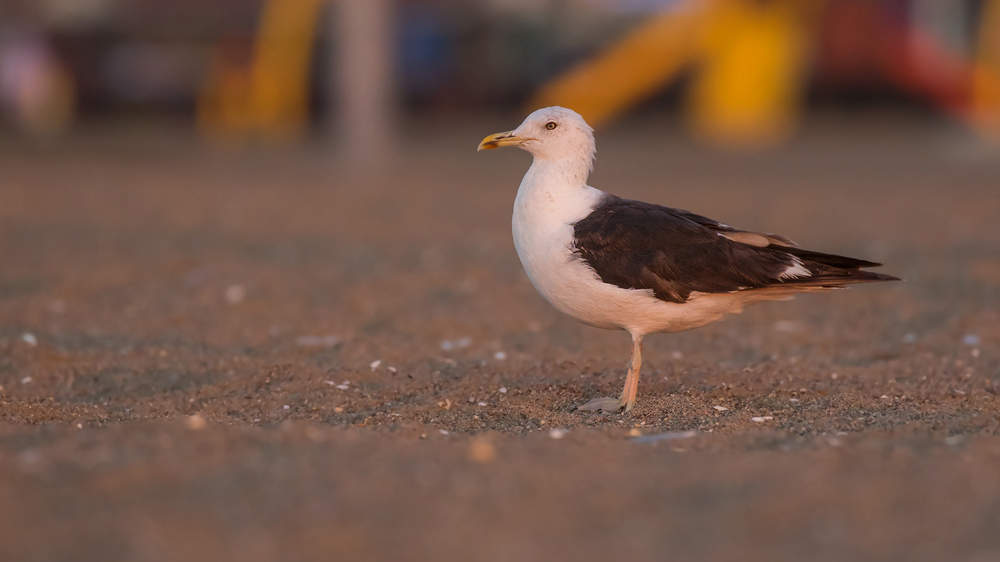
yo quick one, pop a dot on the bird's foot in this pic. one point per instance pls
(606, 404)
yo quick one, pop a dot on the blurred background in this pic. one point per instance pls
(741, 73)
(222, 340)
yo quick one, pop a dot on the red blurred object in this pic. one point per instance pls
(874, 45)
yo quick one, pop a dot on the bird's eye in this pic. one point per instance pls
(551, 125)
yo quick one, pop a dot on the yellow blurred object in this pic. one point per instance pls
(223, 111)
(751, 57)
(986, 74)
(749, 87)
(279, 94)
(630, 71)
(271, 100)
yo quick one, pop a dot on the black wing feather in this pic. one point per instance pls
(636, 245)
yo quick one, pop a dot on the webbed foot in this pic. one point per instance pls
(606, 404)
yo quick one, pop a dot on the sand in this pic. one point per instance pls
(272, 355)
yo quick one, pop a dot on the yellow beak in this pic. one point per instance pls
(506, 138)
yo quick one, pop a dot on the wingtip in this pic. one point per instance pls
(882, 276)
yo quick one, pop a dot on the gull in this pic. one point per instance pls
(618, 264)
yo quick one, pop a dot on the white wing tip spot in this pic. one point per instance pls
(796, 270)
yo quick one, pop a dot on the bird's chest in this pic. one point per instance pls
(542, 225)
(543, 241)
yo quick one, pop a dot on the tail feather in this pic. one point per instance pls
(831, 270)
(830, 260)
(831, 279)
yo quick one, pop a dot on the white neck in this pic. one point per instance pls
(553, 193)
(561, 178)
(572, 167)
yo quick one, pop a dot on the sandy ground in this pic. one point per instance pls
(260, 356)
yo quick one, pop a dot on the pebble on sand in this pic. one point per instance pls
(971, 339)
(499, 356)
(787, 326)
(503, 390)
(558, 433)
(29, 339)
(670, 436)
(195, 422)
(448, 345)
(761, 419)
(482, 451)
(235, 294)
(26, 380)
(317, 341)
(375, 364)
(720, 408)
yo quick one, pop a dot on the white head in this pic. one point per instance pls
(551, 134)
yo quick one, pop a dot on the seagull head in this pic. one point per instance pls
(550, 133)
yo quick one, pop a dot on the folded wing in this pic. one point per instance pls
(674, 253)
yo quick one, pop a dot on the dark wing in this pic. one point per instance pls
(674, 253)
